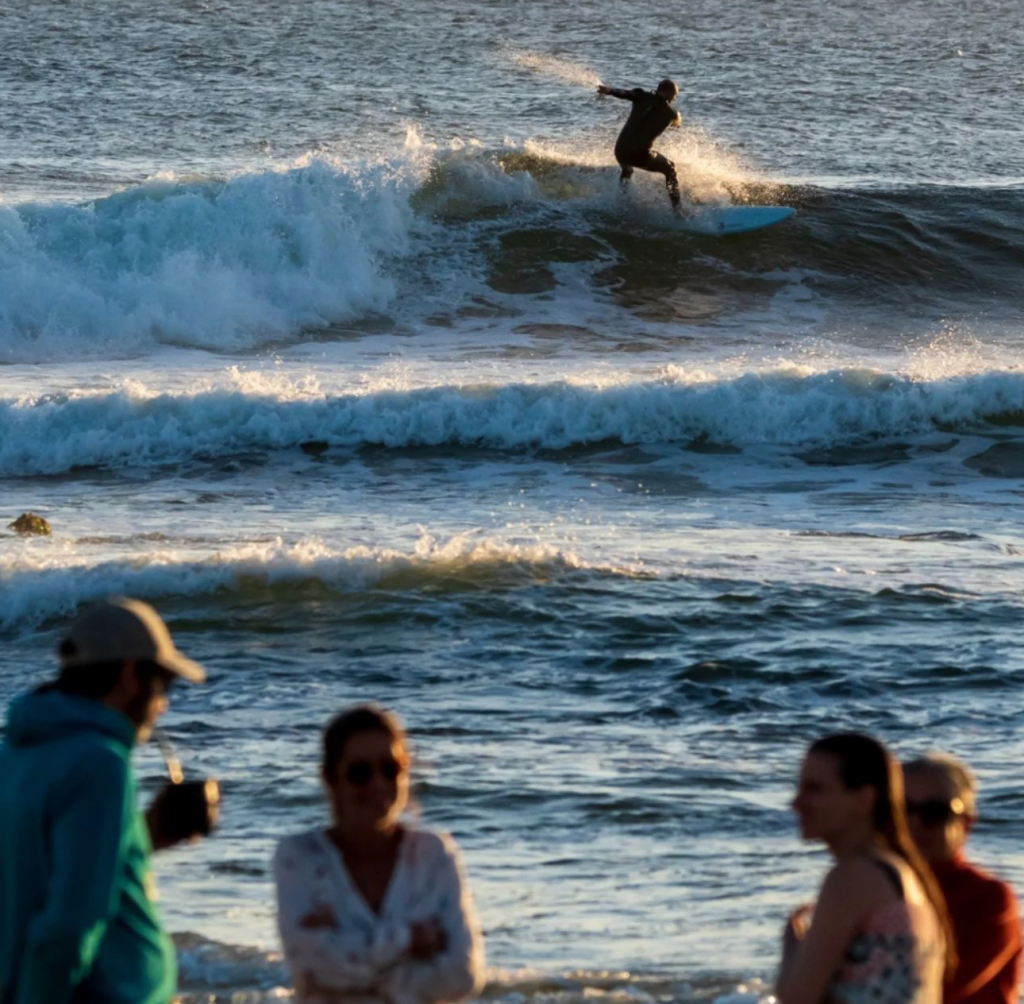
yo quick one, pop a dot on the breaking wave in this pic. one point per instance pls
(788, 407)
(278, 255)
(39, 587)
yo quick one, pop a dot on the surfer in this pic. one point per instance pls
(652, 114)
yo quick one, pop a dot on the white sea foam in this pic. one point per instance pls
(206, 965)
(258, 258)
(787, 406)
(47, 582)
(211, 965)
(214, 264)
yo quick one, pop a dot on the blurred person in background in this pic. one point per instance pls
(941, 799)
(878, 933)
(372, 909)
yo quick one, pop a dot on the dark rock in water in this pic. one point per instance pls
(314, 447)
(28, 524)
(1004, 460)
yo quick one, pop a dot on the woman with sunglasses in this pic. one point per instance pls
(879, 932)
(370, 909)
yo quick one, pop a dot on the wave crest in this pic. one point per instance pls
(45, 583)
(210, 264)
(789, 407)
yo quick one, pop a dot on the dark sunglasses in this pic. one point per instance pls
(936, 811)
(153, 673)
(360, 772)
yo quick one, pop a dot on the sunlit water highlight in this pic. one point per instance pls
(327, 329)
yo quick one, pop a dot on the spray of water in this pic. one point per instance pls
(708, 171)
(556, 67)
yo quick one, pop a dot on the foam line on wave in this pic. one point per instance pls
(41, 585)
(277, 255)
(786, 407)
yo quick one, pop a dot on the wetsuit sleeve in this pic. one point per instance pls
(632, 95)
(92, 823)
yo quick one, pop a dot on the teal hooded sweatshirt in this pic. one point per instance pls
(77, 915)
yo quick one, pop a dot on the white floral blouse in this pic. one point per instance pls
(364, 958)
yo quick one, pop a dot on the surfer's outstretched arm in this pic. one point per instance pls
(618, 92)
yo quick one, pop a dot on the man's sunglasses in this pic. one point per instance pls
(360, 772)
(155, 673)
(936, 811)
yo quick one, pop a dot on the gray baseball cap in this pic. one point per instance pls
(119, 629)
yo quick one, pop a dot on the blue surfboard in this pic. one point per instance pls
(733, 219)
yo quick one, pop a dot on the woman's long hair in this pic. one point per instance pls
(864, 761)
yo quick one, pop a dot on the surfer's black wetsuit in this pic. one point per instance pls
(650, 116)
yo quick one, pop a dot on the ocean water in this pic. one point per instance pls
(326, 328)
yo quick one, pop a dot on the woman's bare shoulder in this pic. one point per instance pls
(860, 880)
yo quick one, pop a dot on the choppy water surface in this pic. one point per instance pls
(326, 328)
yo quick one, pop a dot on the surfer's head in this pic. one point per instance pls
(667, 89)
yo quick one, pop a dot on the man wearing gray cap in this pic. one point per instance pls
(78, 920)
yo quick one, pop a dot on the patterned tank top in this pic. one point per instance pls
(889, 961)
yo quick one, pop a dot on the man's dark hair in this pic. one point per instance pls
(99, 678)
(94, 681)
